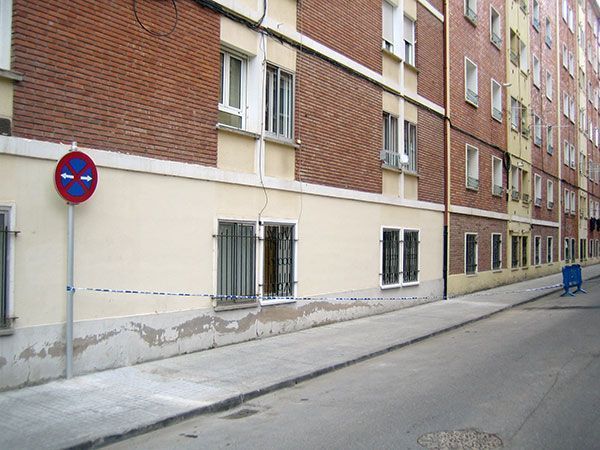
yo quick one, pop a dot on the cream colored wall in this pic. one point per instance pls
(411, 113)
(410, 8)
(391, 104)
(390, 68)
(239, 37)
(6, 98)
(390, 183)
(283, 11)
(411, 187)
(280, 160)
(410, 79)
(152, 232)
(281, 55)
(236, 152)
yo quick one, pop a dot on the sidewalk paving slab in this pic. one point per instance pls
(103, 407)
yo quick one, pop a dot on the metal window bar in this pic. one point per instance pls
(472, 183)
(496, 40)
(524, 251)
(4, 321)
(411, 256)
(471, 256)
(515, 252)
(497, 190)
(515, 195)
(525, 198)
(391, 257)
(236, 262)
(470, 13)
(278, 273)
(472, 97)
(496, 246)
(410, 145)
(514, 58)
(497, 113)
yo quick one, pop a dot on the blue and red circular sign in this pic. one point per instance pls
(76, 177)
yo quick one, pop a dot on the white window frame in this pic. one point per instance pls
(515, 114)
(549, 139)
(496, 176)
(565, 11)
(549, 194)
(261, 261)
(470, 11)
(495, 27)
(535, 15)
(537, 252)
(549, 246)
(571, 64)
(269, 112)
(565, 56)
(411, 152)
(537, 190)
(566, 153)
(224, 106)
(401, 282)
(472, 171)
(471, 84)
(572, 164)
(476, 254)
(549, 86)
(496, 103)
(410, 41)
(10, 210)
(523, 57)
(573, 203)
(537, 130)
(492, 252)
(537, 72)
(5, 33)
(388, 42)
(567, 201)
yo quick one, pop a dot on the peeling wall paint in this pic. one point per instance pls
(39, 352)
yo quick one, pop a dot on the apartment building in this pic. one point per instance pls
(251, 156)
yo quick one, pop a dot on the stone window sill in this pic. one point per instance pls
(10, 75)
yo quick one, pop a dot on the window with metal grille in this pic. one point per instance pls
(549, 249)
(389, 155)
(390, 257)
(411, 256)
(279, 103)
(514, 247)
(4, 235)
(470, 253)
(537, 251)
(236, 264)
(496, 251)
(278, 261)
(524, 252)
(410, 145)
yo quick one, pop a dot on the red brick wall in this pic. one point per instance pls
(94, 76)
(352, 28)
(461, 224)
(430, 156)
(544, 233)
(430, 56)
(339, 121)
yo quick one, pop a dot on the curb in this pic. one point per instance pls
(239, 399)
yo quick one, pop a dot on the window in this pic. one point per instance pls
(395, 251)
(525, 186)
(566, 153)
(496, 101)
(537, 130)
(550, 194)
(388, 26)
(495, 33)
(278, 260)
(573, 204)
(390, 155)
(537, 75)
(566, 252)
(524, 251)
(496, 251)
(279, 103)
(548, 36)
(572, 249)
(582, 249)
(565, 11)
(472, 168)
(514, 181)
(471, 11)
(566, 104)
(567, 201)
(572, 156)
(496, 176)
(410, 145)
(549, 140)
(410, 268)
(523, 64)
(5, 33)
(565, 56)
(6, 258)
(232, 90)
(514, 48)
(236, 269)
(390, 274)
(535, 17)
(571, 64)
(537, 190)
(549, 249)
(409, 41)
(537, 250)
(515, 114)
(470, 253)
(571, 21)
(548, 85)
(515, 245)
(471, 88)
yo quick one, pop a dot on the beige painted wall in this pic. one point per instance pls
(280, 160)
(6, 98)
(236, 152)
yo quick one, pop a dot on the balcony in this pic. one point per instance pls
(390, 158)
(497, 114)
(515, 194)
(497, 190)
(525, 199)
(472, 97)
(472, 183)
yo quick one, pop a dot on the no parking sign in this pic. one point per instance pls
(76, 177)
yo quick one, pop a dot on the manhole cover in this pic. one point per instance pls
(241, 414)
(459, 439)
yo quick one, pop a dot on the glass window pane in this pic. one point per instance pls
(235, 82)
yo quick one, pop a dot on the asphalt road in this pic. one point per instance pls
(525, 378)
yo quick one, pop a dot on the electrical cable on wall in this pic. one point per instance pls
(149, 31)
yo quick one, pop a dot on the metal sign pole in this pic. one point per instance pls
(70, 292)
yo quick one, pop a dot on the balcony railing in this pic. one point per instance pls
(525, 198)
(550, 149)
(515, 194)
(472, 183)
(514, 58)
(538, 201)
(497, 190)
(496, 40)
(472, 97)
(525, 132)
(391, 158)
(550, 204)
(497, 114)
(471, 14)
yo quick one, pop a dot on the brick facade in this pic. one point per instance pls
(430, 55)
(93, 75)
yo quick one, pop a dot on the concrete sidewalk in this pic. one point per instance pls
(103, 407)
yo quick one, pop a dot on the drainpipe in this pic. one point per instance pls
(446, 240)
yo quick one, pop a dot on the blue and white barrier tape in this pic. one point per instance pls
(308, 298)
